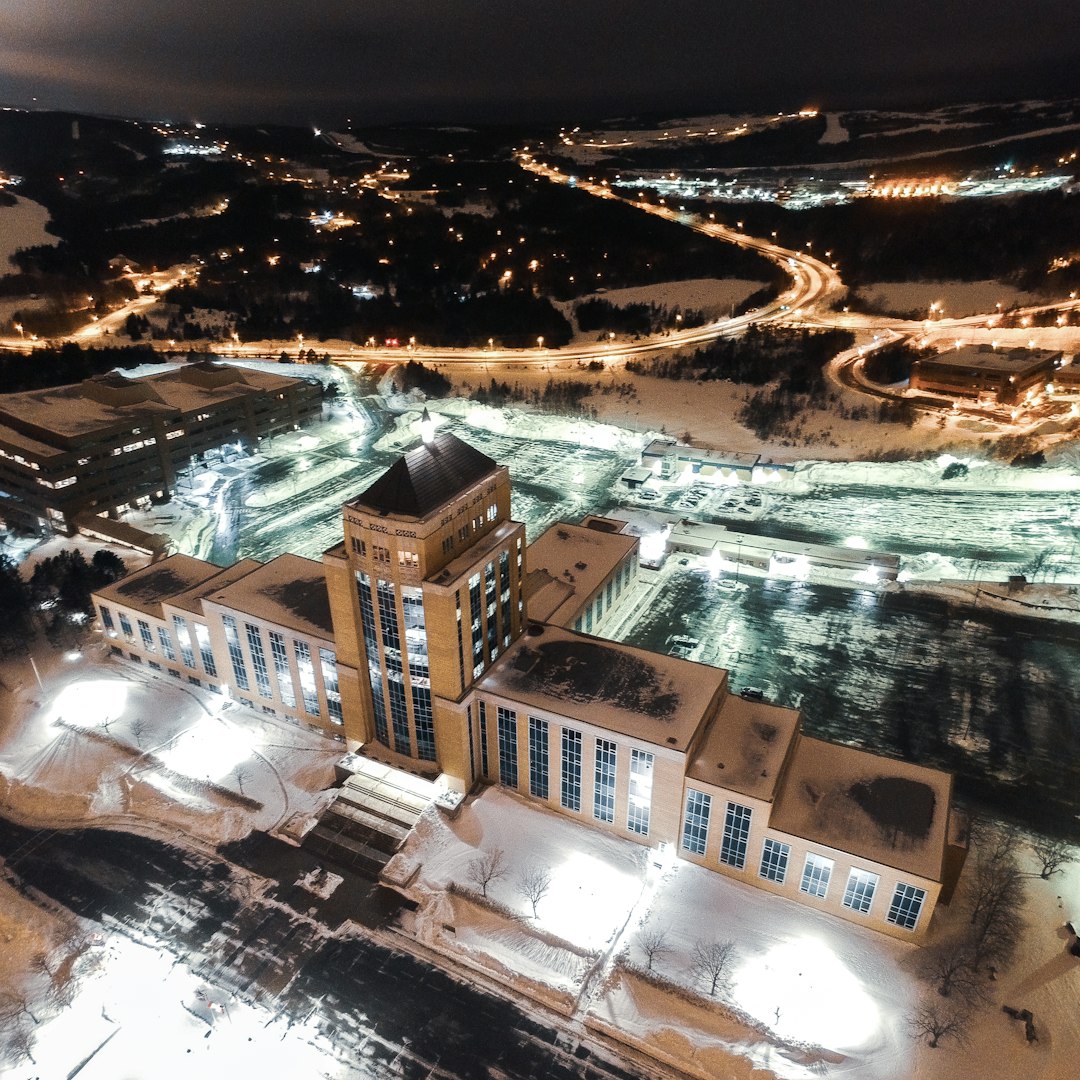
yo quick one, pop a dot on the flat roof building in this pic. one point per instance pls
(987, 375)
(432, 639)
(112, 441)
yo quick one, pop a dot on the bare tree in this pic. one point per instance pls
(653, 942)
(486, 868)
(935, 1021)
(13, 1006)
(953, 968)
(533, 883)
(138, 727)
(996, 898)
(241, 773)
(711, 962)
(1053, 854)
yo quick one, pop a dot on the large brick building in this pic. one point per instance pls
(420, 647)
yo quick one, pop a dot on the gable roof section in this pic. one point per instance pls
(422, 480)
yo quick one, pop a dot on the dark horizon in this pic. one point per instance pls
(275, 61)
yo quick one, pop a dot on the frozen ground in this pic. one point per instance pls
(22, 225)
(104, 743)
(811, 995)
(108, 1005)
(955, 298)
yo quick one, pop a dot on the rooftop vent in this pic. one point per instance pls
(535, 629)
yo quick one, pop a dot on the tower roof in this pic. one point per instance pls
(425, 478)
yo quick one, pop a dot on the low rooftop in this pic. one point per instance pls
(575, 560)
(289, 591)
(745, 747)
(425, 478)
(887, 811)
(192, 599)
(147, 589)
(983, 358)
(648, 696)
(110, 400)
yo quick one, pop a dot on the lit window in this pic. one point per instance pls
(816, 874)
(639, 805)
(859, 891)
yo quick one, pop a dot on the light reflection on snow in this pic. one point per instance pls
(209, 749)
(90, 702)
(585, 892)
(804, 992)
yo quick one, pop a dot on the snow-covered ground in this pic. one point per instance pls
(22, 225)
(99, 742)
(110, 1007)
(811, 995)
(715, 297)
(956, 299)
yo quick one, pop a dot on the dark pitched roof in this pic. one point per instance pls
(425, 478)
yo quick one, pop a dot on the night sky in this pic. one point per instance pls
(314, 61)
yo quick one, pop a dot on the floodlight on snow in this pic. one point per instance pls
(870, 576)
(208, 750)
(92, 702)
(857, 542)
(806, 993)
(654, 545)
(796, 567)
(427, 427)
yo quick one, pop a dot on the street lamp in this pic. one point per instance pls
(540, 342)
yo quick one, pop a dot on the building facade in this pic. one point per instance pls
(431, 639)
(112, 442)
(984, 374)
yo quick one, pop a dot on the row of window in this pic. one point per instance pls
(639, 804)
(904, 908)
(606, 597)
(253, 634)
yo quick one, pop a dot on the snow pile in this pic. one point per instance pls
(980, 475)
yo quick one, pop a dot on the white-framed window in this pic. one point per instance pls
(860, 889)
(906, 906)
(774, 860)
(815, 876)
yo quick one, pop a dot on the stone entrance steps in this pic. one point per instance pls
(373, 814)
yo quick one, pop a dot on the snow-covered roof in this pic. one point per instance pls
(113, 400)
(984, 358)
(191, 600)
(578, 556)
(745, 747)
(147, 589)
(887, 811)
(289, 591)
(648, 696)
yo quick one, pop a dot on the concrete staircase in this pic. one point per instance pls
(373, 814)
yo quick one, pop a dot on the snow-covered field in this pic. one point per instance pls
(956, 299)
(104, 743)
(810, 995)
(22, 225)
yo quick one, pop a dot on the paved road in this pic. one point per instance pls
(387, 1012)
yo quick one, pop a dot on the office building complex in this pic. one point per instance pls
(438, 643)
(111, 442)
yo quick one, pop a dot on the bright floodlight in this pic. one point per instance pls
(90, 702)
(856, 542)
(654, 545)
(427, 427)
(210, 749)
(796, 567)
(805, 993)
